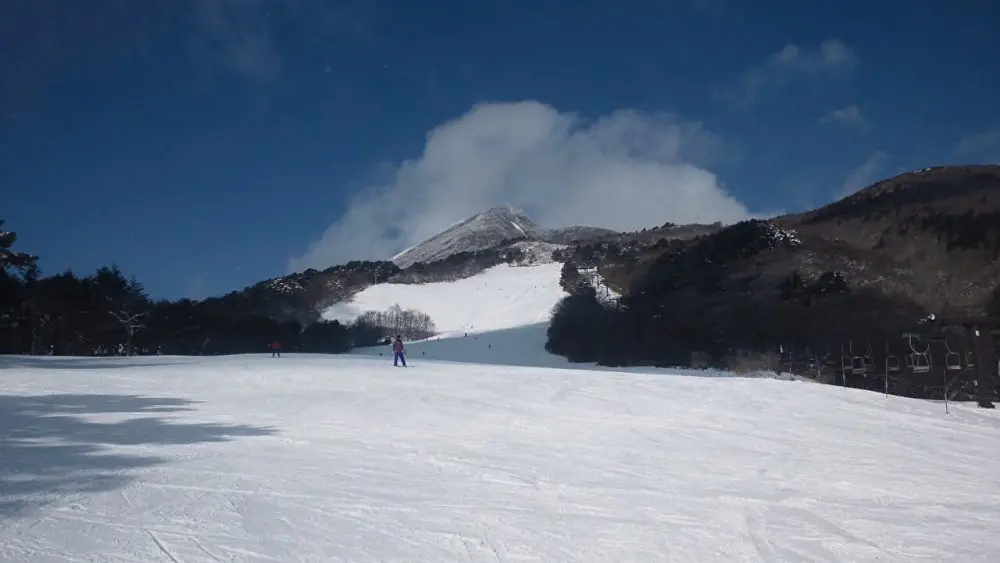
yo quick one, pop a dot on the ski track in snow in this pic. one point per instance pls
(345, 459)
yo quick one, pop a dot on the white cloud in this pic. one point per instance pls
(624, 171)
(848, 116)
(869, 172)
(984, 146)
(831, 58)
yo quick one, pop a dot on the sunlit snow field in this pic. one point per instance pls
(499, 298)
(312, 458)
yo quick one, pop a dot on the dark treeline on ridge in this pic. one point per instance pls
(711, 302)
(108, 313)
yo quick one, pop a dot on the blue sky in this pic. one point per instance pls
(204, 145)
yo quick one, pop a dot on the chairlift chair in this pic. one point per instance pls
(857, 362)
(892, 364)
(869, 360)
(857, 365)
(891, 360)
(917, 361)
(921, 362)
(952, 360)
(970, 360)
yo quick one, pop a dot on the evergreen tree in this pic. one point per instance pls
(569, 277)
(577, 330)
(10, 258)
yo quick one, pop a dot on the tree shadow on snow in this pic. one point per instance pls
(48, 450)
(101, 362)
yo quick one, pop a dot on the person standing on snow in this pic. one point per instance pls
(398, 352)
(276, 349)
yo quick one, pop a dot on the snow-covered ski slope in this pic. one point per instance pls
(519, 346)
(315, 458)
(498, 317)
(499, 298)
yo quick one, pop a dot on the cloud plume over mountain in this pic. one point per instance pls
(625, 170)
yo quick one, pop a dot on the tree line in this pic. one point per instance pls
(462, 264)
(109, 313)
(694, 300)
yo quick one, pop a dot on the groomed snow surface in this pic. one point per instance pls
(343, 458)
(499, 298)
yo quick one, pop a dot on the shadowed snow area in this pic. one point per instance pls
(519, 346)
(314, 458)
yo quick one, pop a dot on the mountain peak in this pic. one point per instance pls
(483, 230)
(507, 209)
(505, 212)
(489, 229)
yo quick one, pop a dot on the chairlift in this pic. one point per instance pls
(970, 360)
(891, 360)
(869, 360)
(952, 360)
(857, 362)
(918, 362)
(892, 364)
(857, 365)
(921, 362)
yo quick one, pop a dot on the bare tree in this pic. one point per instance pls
(409, 323)
(131, 323)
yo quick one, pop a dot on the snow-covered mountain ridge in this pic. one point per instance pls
(489, 229)
(501, 235)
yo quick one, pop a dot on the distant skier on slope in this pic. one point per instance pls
(398, 352)
(275, 349)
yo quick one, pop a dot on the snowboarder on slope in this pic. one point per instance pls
(275, 349)
(398, 352)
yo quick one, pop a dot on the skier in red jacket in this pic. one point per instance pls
(398, 352)
(275, 349)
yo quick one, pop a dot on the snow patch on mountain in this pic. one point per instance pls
(490, 229)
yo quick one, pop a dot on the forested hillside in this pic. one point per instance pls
(823, 288)
(109, 313)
